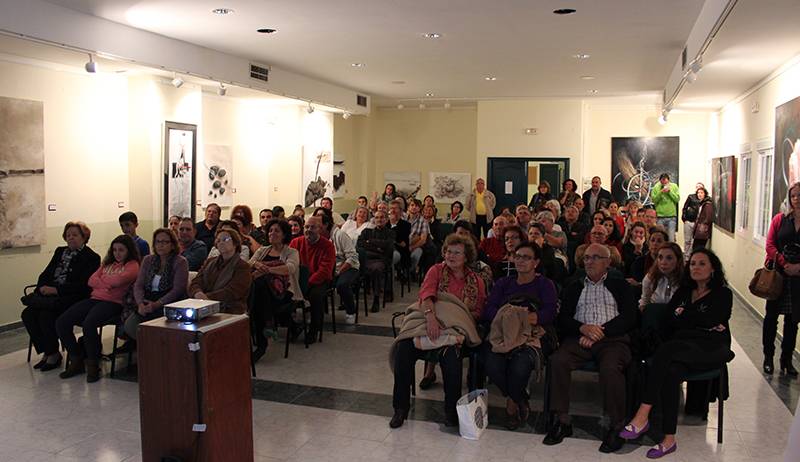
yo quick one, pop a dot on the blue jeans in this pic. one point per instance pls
(669, 224)
(344, 286)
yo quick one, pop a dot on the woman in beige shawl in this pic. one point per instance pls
(225, 278)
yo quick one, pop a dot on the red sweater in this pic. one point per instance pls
(319, 258)
(109, 283)
(494, 248)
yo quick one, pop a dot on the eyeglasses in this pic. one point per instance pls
(455, 253)
(163, 241)
(598, 234)
(225, 239)
(518, 256)
(592, 258)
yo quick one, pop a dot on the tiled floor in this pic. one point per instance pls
(331, 402)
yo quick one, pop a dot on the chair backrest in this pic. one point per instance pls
(305, 273)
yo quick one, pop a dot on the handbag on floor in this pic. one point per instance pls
(767, 283)
(473, 413)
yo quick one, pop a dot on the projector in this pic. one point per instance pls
(190, 310)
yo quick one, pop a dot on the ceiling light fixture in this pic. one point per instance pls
(694, 69)
(421, 106)
(345, 115)
(310, 108)
(176, 81)
(358, 64)
(91, 66)
(490, 78)
(400, 107)
(447, 105)
(398, 82)
(592, 92)
(662, 119)
(266, 30)
(581, 56)
(564, 11)
(587, 77)
(433, 35)
(429, 94)
(222, 91)
(222, 11)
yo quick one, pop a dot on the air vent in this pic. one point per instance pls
(259, 72)
(361, 100)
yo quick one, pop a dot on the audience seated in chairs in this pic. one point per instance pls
(299, 211)
(296, 224)
(245, 217)
(569, 193)
(376, 247)
(614, 238)
(598, 235)
(634, 246)
(275, 272)
(494, 247)
(450, 301)
(224, 278)
(353, 228)
(698, 316)
(554, 235)
(512, 238)
(550, 264)
(541, 197)
(193, 250)
(524, 217)
(327, 204)
(573, 229)
(456, 211)
(632, 207)
(173, 222)
(421, 242)
(402, 230)
(162, 279)
(596, 316)
(128, 222)
(642, 264)
(463, 228)
(260, 233)
(319, 256)
(583, 214)
(62, 283)
(207, 228)
(234, 225)
(664, 277)
(619, 220)
(110, 283)
(347, 267)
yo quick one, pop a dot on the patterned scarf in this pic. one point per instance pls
(165, 283)
(469, 295)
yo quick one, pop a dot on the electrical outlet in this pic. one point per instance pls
(51, 207)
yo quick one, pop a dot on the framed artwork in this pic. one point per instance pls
(317, 174)
(723, 191)
(339, 177)
(448, 187)
(787, 152)
(22, 201)
(180, 157)
(636, 164)
(407, 184)
(217, 175)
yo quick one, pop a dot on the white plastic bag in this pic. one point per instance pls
(473, 413)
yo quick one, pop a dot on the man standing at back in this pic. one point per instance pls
(596, 198)
(319, 256)
(665, 197)
(480, 205)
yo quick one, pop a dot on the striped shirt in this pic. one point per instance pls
(596, 304)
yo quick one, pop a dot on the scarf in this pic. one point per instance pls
(469, 295)
(224, 276)
(165, 283)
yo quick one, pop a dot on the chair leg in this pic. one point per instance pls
(113, 355)
(333, 312)
(30, 347)
(546, 398)
(723, 383)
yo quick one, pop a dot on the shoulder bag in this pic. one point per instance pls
(767, 282)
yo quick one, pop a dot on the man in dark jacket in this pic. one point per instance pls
(375, 248)
(596, 316)
(596, 198)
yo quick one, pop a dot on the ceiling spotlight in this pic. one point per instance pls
(581, 56)
(91, 66)
(310, 109)
(433, 35)
(177, 82)
(345, 115)
(662, 119)
(400, 107)
(592, 92)
(694, 68)
(587, 77)
(429, 94)
(221, 91)
(563, 11)
(222, 11)
(421, 106)
(357, 64)
(398, 82)
(447, 105)
(490, 78)
(266, 30)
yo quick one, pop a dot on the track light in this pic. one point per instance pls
(310, 109)
(176, 81)
(447, 105)
(91, 66)
(345, 115)
(421, 106)
(694, 69)
(221, 91)
(662, 119)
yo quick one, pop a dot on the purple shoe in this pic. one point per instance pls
(658, 451)
(629, 432)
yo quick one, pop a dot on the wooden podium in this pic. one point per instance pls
(194, 374)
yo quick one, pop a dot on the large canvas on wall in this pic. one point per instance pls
(723, 191)
(217, 175)
(408, 184)
(339, 176)
(22, 200)
(179, 171)
(448, 187)
(637, 162)
(317, 175)
(787, 151)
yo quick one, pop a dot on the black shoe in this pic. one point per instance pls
(311, 337)
(50, 366)
(557, 433)
(400, 416)
(341, 308)
(612, 442)
(451, 419)
(427, 382)
(376, 306)
(41, 363)
(512, 421)
(787, 368)
(769, 367)
(75, 367)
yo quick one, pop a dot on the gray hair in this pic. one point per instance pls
(555, 204)
(545, 215)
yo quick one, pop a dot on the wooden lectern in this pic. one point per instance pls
(192, 375)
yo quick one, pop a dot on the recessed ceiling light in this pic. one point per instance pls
(429, 94)
(222, 11)
(592, 92)
(358, 64)
(563, 11)
(266, 30)
(587, 77)
(433, 35)
(398, 82)
(581, 56)
(490, 78)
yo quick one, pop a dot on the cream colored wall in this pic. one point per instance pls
(737, 125)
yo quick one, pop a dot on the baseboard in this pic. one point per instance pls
(11, 326)
(758, 316)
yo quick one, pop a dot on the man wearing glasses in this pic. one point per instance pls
(597, 313)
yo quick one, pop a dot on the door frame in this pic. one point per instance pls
(530, 159)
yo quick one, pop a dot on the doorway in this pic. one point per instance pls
(514, 180)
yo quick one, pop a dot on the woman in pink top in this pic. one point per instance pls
(109, 285)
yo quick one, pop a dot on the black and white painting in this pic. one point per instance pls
(217, 175)
(637, 162)
(408, 184)
(22, 201)
(317, 175)
(179, 172)
(723, 191)
(448, 187)
(339, 176)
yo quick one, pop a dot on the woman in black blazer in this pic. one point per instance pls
(700, 340)
(62, 283)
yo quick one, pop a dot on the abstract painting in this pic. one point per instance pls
(787, 152)
(723, 191)
(179, 172)
(339, 177)
(317, 175)
(22, 201)
(449, 187)
(636, 164)
(217, 175)
(408, 184)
